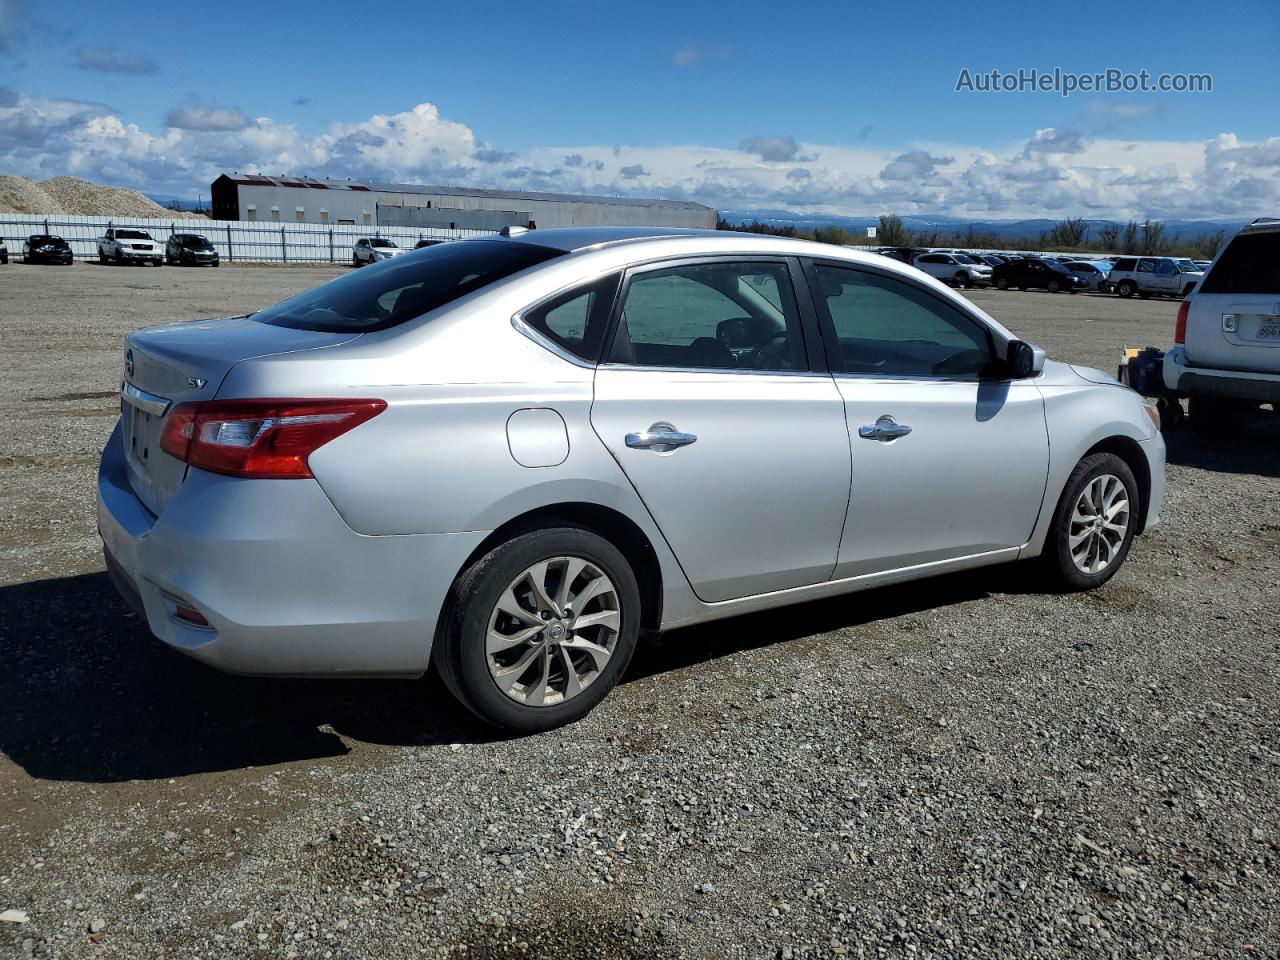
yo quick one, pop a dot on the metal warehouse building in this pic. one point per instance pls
(306, 200)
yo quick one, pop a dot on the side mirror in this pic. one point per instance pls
(1023, 359)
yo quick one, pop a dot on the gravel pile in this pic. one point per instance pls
(79, 197)
(965, 767)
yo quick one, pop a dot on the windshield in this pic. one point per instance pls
(1055, 265)
(379, 242)
(45, 239)
(402, 288)
(132, 235)
(961, 258)
(197, 242)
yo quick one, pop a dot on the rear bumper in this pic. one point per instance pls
(1207, 381)
(287, 587)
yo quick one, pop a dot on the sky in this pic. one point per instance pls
(814, 107)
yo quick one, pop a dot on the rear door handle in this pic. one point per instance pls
(885, 429)
(661, 437)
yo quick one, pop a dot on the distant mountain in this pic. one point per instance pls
(1004, 229)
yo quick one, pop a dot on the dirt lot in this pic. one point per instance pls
(966, 767)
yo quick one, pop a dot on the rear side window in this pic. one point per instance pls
(1125, 264)
(1250, 264)
(396, 290)
(576, 320)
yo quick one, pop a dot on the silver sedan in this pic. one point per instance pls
(507, 457)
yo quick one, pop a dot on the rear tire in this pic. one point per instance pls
(468, 663)
(1101, 485)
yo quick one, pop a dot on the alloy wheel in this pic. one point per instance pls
(1099, 524)
(552, 631)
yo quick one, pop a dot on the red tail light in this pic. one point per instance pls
(260, 438)
(1180, 328)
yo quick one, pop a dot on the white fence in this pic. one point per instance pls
(235, 240)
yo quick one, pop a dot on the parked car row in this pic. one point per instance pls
(1124, 276)
(125, 245)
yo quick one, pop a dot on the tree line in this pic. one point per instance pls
(1072, 235)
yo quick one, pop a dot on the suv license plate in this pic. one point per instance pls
(1269, 328)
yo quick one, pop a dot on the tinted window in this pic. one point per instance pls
(1166, 268)
(887, 327)
(405, 287)
(1249, 264)
(1146, 266)
(1125, 264)
(576, 320)
(711, 316)
(379, 242)
(132, 235)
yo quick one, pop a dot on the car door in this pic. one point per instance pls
(950, 456)
(712, 398)
(1166, 276)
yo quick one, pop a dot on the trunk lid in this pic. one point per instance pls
(180, 362)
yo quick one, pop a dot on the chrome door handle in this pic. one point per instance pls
(660, 436)
(885, 429)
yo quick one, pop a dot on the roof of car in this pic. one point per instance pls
(571, 239)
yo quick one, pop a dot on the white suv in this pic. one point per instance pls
(373, 249)
(956, 268)
(1154, 276)
(1226, 358)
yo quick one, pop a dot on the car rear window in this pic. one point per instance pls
(1250, 264)
(396, 290)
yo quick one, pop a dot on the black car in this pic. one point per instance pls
(427, 243)
(190, 250)
(1034, 272)
(46, 248)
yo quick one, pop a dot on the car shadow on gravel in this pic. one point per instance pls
(1254, 450)
(86, 694)
(678, 649)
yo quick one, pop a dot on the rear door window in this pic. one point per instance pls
(713, 315)
(402, 288)
(1249, 264)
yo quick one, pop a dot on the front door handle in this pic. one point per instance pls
(885, 429)
(661, 436)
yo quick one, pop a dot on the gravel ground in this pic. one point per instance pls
(964, 767)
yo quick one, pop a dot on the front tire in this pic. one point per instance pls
(539, 629)
(1054, 286)
(1094, 523)
(1126, 289)
(1002, 284)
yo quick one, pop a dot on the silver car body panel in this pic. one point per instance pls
(346, 574)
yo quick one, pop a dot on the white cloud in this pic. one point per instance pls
(1051, 173)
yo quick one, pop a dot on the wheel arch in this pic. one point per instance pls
(1127, 449)
(612, 525)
